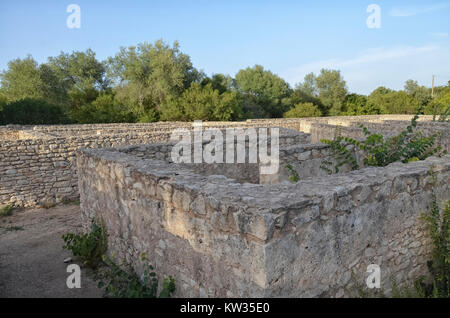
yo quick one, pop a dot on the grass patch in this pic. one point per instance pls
(13, 228)
(6, 210)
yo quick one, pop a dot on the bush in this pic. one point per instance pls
(202, 103)
(89, 247)
(378, 151)
(120, 283)
(32, 112)
(303, 110)
(6, 210)
(104, 109)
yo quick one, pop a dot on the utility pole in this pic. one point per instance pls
(432, 87)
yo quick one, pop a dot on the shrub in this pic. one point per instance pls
(32, 112)
(104, 109)
(407, 146)
(202, 103)
(120, 283)
(303, 110)
(89, 247)
(6, 210)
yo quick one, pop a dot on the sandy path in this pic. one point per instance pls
(31, 256)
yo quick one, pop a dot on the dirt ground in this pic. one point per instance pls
(31, 254)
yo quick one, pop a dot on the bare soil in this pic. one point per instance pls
(32, 257)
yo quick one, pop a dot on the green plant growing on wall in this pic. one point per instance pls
(438, 227)
(293, 174)
(120, 283)
(89, 247)
(116, 282)
(378, 151)
(437, 224)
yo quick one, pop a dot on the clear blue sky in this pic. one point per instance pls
(291, 38)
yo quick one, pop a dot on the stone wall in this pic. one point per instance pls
(37, 162)
(221, 238)
(321, 131)
(43, 171)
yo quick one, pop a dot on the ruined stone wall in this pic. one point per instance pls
(42, 171)
(321, 131)
(37, 162)
(308, 161)
(220, 238)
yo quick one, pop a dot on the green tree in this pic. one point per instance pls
(81, 75)
(3, 101)
(329, 88)
(24, 78)
(421, 93)
(393, 102)
(440, 104)
(32, 112)
(303, 110)
(264, 93)
(302, 94)
(104, 109)
(356, 104)
(202, 103)
(79, 70)
(146, 75)
(223, 83)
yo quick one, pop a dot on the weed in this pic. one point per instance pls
(438, 284)
(89, 247)
(13, 228)
(120, 283)
(114, 279)
(6, 210)
(378, 151)
(294, 176)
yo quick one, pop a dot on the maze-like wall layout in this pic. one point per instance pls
(225, 229)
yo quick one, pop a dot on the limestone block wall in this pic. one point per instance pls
(220, 238)
(321, 131)
(43, 170)
(37, 162)
(308, 160)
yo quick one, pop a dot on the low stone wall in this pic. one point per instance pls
(308, 161)
(43, 171)
(321, 131)
(37, 162)
(220, 238)
(37, 165)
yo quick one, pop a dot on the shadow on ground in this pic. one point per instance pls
(32, 258)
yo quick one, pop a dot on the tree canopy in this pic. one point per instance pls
(265, 94)
(157, 81)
